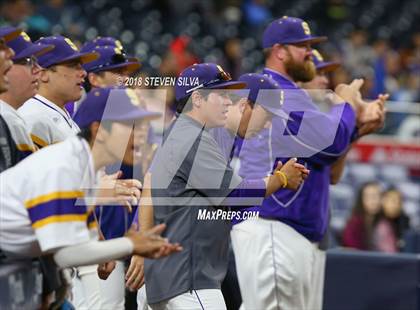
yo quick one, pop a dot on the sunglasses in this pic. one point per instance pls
(30, 62)
(116, 59)
(222, 76)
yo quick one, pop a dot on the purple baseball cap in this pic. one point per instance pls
(269, 100)
(107, 41)
(23, 47)
(320, 64)
(288, 30)
(64, 50)
(111, 104)
(204, 76)
(8, 33)
(110, 58)
(102, 41)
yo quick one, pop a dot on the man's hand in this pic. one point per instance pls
(112, 190)
(150, 244)
(289, 175)
(372, 117)
(351, 93)
(295, 173)
(134, 276)
(105, 269)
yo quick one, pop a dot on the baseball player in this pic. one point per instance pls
(321, 79)
(190, 170)
(110, 69)
(114, 221)
(61, 81)
(8, 150)
(286, 271)
(6, 35)
(23, 80)
(41, 209)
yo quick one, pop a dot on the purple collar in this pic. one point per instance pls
(280, 78)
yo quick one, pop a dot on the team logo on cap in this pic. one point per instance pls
(117, 50)
(71, 44)
(25, 36)
(306, 29)
(118, 45)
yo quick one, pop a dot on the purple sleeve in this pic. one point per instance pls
(345, 132)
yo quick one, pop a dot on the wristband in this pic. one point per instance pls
(284, 178)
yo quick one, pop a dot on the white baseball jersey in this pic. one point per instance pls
(41, 200)
(18, 130)
(47, 122)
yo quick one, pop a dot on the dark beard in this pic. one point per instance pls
(300, 72)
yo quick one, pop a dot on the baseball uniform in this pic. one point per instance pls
(39, 210)
(284, 273)
(54, 181)
(47, 122)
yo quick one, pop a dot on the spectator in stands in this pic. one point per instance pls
(359, 229)
(13, 12)
(178, 57)
(358, 56)
(233, 57)
(392, 223)
(256, 12)
(380, 48)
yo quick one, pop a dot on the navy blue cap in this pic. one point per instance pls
(320, 64)
(64, 50)
(23, 47)
(8, 33)
(206, 76)
(110, 58)
(111, 104)
(288, 30)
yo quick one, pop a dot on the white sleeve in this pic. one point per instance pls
(93, 252)
(39, 130)
(51, 201)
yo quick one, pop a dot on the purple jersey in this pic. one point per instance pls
(306, 210)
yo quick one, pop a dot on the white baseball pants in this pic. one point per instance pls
(277, 267)
(90, 292)
(207, 299)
